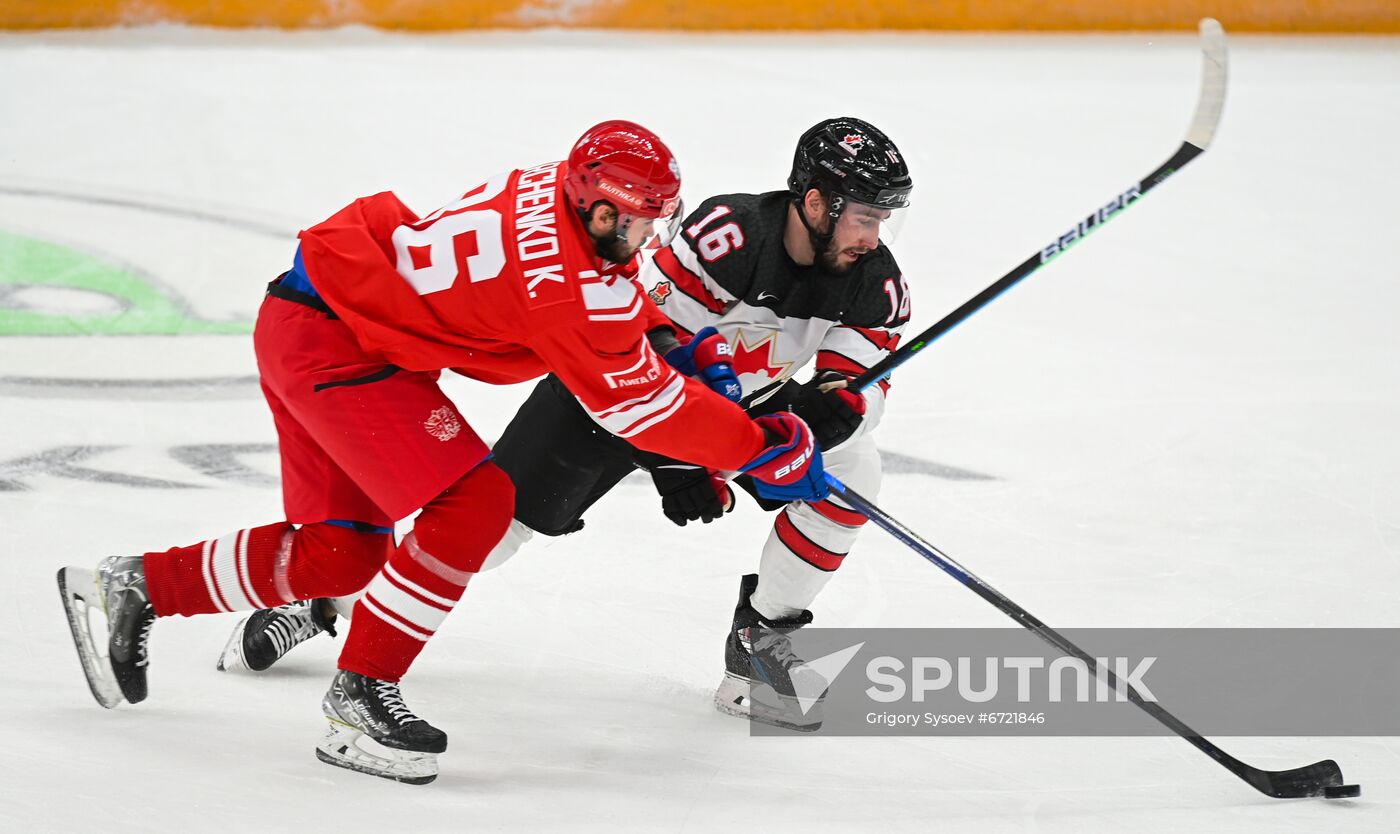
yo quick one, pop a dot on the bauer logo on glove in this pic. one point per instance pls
(790, 469)
(797, 464)
(707, 358)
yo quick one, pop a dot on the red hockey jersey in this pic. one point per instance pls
(503, 285)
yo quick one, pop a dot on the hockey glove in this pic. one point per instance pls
(707, 356)
(690, 493)
(790, 469)
(833, 410)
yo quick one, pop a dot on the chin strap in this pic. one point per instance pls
(601, 245)
(820, 241)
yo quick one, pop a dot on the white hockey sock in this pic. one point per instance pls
(786, 584)
(802, 553)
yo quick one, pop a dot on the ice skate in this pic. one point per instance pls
(763, 680)
(110, 616)
(373, 731)
(264, 638)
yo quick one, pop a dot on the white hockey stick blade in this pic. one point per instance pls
(1215, 66)
(82, 599)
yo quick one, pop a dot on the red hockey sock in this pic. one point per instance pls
(329, 560)
(263, 567)
(408, 600)
(232, 573)
(402, 607)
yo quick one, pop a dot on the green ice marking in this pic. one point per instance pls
(27, 264)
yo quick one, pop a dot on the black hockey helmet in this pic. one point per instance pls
(850, 158)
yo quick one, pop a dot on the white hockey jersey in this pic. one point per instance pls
(728, 269)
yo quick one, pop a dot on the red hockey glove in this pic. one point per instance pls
(790, 469)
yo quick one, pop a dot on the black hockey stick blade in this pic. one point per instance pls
(1214, 75)
(1311, 780)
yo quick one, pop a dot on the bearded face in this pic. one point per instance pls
(856, 233)
(835, 260)
(612, 248)
(618, 237)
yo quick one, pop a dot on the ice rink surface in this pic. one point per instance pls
(1189, 421)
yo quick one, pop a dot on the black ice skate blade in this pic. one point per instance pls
(407, 780)
(105, 689)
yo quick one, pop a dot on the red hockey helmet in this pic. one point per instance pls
(628, 166)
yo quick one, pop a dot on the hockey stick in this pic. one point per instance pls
(1203, 124)
(1322, 778)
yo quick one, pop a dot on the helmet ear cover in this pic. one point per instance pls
(834, 202)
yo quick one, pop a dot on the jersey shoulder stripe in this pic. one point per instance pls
(687, 281)
(880, 338)
(831, 360)
(609, 297)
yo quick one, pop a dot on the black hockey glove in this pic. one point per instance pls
(689, 492)
(833, 414)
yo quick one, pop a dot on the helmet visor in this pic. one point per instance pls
(862, 221)
(645, 232)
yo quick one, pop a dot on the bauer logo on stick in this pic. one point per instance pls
(1090, 223)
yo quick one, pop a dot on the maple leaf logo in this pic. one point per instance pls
(660, 291)
(757, 358)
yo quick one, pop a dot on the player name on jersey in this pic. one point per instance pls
(536, 231)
